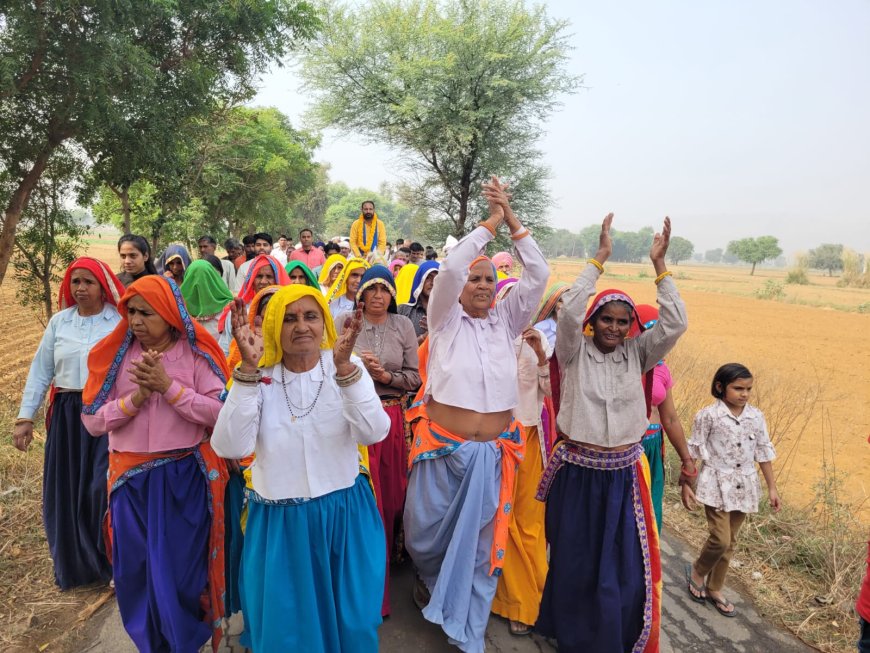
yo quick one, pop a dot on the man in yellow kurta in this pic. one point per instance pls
(368, 233)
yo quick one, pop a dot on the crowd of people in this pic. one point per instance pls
(280, 425)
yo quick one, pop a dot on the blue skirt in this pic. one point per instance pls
(74, 496)
(160, 529)
(595, 596)
(449, 522)
(313, 572)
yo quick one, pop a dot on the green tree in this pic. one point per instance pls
(48, 238)
(713, 255)
(826, 257)
(121, 80)
(459, 88)
(680, 249)
(754, 250)
(256, 166)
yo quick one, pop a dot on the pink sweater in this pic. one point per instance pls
(174, 420)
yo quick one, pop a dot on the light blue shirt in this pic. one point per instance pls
(340, 305)
(548, 328)
(62, 355)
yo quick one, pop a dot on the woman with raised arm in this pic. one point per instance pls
(466, 443)
(74, 470)
(603, 587)
(313, 562)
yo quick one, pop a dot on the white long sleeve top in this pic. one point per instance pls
(309, 456)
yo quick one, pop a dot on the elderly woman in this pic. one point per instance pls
(521, 583)
(154, 385)
(466, 444)
(388, 348)
(263, 272)
(314, 560)
(206, 296)
(603, 588)
(75, 465)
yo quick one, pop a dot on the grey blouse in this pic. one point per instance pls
(395, 345)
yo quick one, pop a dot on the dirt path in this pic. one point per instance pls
(687, 626)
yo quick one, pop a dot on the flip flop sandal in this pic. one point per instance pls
(692, 585)
(721, 604)
(519, 629)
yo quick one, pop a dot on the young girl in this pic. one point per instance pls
(729, 436)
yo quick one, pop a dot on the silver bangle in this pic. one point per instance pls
(350, 379)
(246, 378)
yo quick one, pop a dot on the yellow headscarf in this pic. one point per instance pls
(339, 286)
(405, 282)
(331, 262)
(273, 321)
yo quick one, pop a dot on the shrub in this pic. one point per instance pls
(797, 276)
(772, 290)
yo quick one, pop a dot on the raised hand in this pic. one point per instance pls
(493, 193)
(532, 337)
(605, 242)
(343, 347)
(660, 243)
(249, 340)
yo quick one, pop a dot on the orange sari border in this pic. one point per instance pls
(124, 465)
(432, 440)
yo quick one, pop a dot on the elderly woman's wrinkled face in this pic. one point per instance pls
(147, 325)
(376, 299)
(610, 326)
(302, 331)
(265, 278)
(476, 297)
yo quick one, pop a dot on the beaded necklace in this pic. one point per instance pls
(290, 405)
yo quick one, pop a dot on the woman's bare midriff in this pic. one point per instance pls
(469, 424)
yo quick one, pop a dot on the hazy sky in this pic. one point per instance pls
(735, 118)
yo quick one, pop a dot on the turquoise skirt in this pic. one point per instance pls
(313, 570)
(652, 449)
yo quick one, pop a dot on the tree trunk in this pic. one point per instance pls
(18, 202)
(752, 271)
(125, 209)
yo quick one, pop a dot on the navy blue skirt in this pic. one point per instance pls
(74, 496)
(595, 595)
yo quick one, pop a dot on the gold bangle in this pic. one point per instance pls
(666, 273)
(488, 228)
(123, 407)
(596, 263)
(177, 397)
(521, 235)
